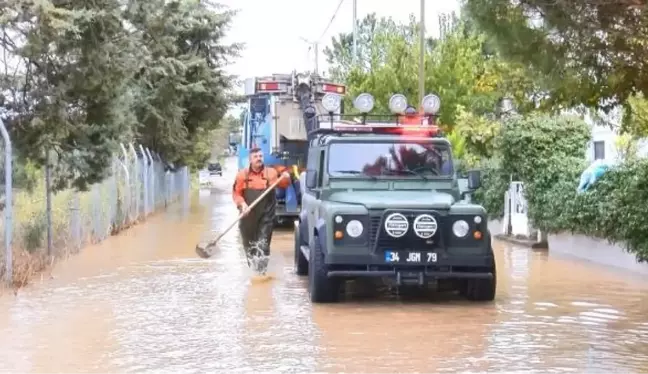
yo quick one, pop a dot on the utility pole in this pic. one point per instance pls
(355, 32)
(314, 45)
(422, 55)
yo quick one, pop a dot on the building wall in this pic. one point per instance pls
(605, 135)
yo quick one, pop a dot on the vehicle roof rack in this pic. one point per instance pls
(354, 124)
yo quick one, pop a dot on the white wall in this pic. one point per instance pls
(595, 250)
(606, 135)
(604, 129)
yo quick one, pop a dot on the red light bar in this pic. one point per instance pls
(413, 130)
(405, 130)
(414, 119)
(334, 88)
(268, 86)
(354, 128)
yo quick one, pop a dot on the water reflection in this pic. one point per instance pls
(142, 302)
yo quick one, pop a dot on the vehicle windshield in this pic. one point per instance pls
(390, 159)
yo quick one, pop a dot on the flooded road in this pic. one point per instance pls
(143, 302)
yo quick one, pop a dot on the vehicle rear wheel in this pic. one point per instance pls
(301, 265)
(322, 289)
(481, 289)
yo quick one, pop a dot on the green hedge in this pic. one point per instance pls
(615, 208)
(547, 153)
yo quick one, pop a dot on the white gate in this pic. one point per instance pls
(518, 209)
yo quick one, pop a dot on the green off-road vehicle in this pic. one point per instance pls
(382, 199)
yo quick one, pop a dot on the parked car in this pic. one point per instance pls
(215, 169)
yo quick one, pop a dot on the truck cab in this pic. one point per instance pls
(281, 110)
(382, 200)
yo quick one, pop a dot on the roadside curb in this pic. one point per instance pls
(525, 242)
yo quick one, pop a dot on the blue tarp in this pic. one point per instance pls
(592, 174)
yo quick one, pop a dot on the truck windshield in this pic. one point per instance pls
(390, 159)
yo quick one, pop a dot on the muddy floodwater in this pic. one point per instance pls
(143, 302)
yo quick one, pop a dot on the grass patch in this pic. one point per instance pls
(78, 219)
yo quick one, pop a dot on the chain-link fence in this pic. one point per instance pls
(140, 182)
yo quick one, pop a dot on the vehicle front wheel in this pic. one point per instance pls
(322, 289)
(301, 265)
(481, 289)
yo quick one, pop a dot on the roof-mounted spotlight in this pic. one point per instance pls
(331, 102)
(398, 103)
(364, 103)
(431, 104)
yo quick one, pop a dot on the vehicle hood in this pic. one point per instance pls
(395, 199)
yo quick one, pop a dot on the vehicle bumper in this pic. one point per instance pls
(449, 266)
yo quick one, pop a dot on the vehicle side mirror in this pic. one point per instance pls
(311, 179)
(474, 179)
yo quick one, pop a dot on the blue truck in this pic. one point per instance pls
(281, 110)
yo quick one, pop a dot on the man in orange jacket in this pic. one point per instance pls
(256, 226)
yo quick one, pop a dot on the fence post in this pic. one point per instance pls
(127, 191)
(184, 182)
(167, 193)
(8, 202)
(75, 221)
(151, 181)
(135, 178)
(145, 168)
(48, 200)
(113, 200)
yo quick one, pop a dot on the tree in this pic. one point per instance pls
(636, 116)
(372, 33)
(590, 52)
(83, 76)
(458, 67)
(478, 135)
(183, 91)
(67, 95)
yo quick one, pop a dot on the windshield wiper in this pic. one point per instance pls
(411, 172)
(355, 172)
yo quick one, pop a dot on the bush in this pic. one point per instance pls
(614, 208)
(495, 182)
(547, 153)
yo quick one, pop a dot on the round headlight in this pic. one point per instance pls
(431, 104)
(331, 102)
(460, 228)
(398, 104)
(354, 228)
(364, 103)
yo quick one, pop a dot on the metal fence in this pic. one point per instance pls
(38, 225)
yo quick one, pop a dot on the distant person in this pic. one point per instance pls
(256, 226)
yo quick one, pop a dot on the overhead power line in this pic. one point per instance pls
(331, 21)
(314, 45)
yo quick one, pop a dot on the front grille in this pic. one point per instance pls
(382, 241)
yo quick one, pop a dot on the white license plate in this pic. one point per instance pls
(410, 257)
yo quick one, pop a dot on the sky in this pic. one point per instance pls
(272, 29)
